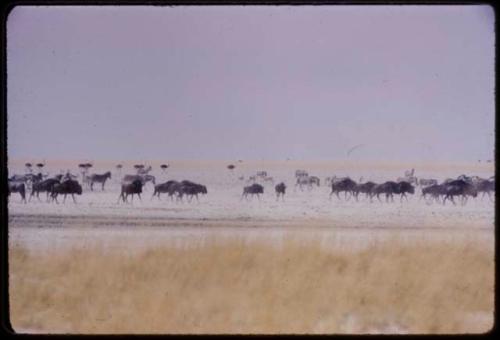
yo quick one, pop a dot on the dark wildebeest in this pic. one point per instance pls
(17, 187)
(130, 188)
(99, 179)
(163, 188)
(254, 189)
(68, 187)
(46, 186)
(485, 186)
(191, 190)
(390, 188)
(346, 185)
(404, 188)
(365, 188)
(435, 191)
(175, 189)
(461, 188)
(280, 191)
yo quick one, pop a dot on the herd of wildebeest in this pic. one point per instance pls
(68, 184)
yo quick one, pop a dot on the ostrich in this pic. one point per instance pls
(84, 169)
(40, 166)
(29, 168)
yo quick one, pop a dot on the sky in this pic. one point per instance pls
(409, 83)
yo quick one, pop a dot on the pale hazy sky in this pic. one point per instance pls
(407, 82)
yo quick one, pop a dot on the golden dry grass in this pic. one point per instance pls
(238, 287)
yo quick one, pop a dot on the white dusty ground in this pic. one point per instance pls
(97, 217)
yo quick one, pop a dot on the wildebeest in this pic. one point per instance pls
(390, 188)
(404, 188)
(347, 185)
(130, 188)
(68, 187)
(163, 188)
(254, 189)
(461, 188)
(280, 190)
(435, 191)
(365, 188)
(19, 187)
(44, 186)
(99, 178)
(485, 186)
(191, 189)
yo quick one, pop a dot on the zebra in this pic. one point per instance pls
(427, 182)
(143, 178)
(308, 181)
(99, 179)
(142, 171)
(262, 174)
(269, 180)
(301, 173)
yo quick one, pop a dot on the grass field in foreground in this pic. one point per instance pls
(238, 287)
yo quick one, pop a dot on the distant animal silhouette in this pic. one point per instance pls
(44, 186)
(254, 189)
(346, 185)
(130, 188)
(68, 187)
(17, 187)
(280, 190)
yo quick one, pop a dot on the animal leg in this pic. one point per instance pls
(451, 198)
(91, 186)
(73, 196)
(64, 200)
